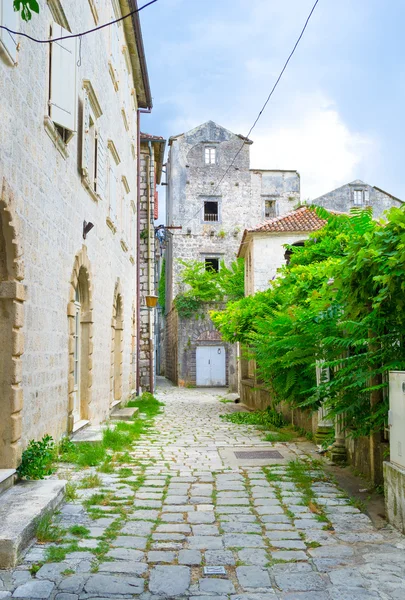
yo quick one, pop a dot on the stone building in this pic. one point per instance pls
(152, 155)
(213, 194)
(68, 195)
(358, 194)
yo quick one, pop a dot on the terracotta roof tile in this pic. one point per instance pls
(302, 219)
(148, 136)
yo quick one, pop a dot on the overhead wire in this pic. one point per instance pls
(263, 107)
(77, 35)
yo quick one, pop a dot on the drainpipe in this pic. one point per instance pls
(150, 291)
(138, 245)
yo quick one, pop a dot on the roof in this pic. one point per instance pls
(303, 219)
(133, 34)
(159, 150)
(152, 138)
(242, 137)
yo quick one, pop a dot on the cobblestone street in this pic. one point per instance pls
(196, 509)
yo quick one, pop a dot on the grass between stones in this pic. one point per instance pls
(271, 421)
(117, 438)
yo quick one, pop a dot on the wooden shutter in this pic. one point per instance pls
(100, 166)
(8, 18)
(86, 142)
(62, 101)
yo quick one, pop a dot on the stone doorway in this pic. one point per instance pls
(117, 328)
(80, 317)
(11, 321)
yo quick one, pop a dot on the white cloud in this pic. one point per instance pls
(318, 144)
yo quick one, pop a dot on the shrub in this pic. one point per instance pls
(36, 460)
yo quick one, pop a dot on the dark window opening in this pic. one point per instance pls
(269, 208)
(289, 251)
(210, 211)
(212, 264)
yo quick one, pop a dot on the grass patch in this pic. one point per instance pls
(67, 572)
(84, 454)
(125, 472)
(46, 531)
(268, 418)
(34, 568)
(79, 530)
(106, 466)
(58, 553)
(284, 435)
(148, 405)
(90, 481)
(71, 491)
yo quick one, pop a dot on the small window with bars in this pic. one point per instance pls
(210, 211)
(210, 155)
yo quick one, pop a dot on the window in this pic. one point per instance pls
(8, 18)
(210, 156)
(62, 83)
(361, 197)
(210, 211)
(113, 189)
(269, 209)
(93, 152)
(212, 264)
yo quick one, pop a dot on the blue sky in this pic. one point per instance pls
(337, 115)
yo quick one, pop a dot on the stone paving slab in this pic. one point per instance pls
(192, 510)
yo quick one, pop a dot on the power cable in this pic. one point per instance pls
(79, 35)
(263, 107)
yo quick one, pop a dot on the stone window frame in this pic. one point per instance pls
(218, 200)
(270, 198)
(215, 149)
(12, 292)
(363, 193)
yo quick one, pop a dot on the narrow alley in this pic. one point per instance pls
(210, 521)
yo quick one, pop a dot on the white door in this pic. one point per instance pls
(211, 366)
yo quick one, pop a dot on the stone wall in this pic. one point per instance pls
(50, 203)
(342, 199)
(172, 333)
(183, 336)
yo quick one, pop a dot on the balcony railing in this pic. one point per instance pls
(210, 217)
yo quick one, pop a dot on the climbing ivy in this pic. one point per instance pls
(162, 287)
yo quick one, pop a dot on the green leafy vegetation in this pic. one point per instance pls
(339, 303)
(27, 7)
(162, 287)
(265, 418)
(206, 285)
(71, 491)
(37, 459)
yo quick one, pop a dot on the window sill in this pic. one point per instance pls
(87, 185)
(111, 224)
(55, 137)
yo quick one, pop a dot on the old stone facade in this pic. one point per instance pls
(213, 205)
(152, 154)
(68, 141)
(358, 194)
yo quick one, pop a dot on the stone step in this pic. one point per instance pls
(20, 508)
(124, 414)
(89, 434)
(7, 479)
